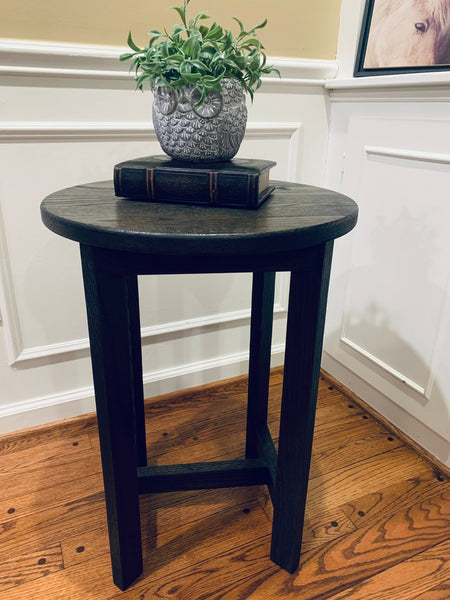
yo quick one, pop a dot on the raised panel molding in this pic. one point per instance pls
(39, 132)
(147, 333)
(9, 315)
(36, 132)
(383, 365)
(352, 354)
(406, 154)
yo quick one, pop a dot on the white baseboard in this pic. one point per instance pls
(55, 407)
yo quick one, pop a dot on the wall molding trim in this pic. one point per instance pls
(147, 333)
(387, 368)
(52, 131)
(45, 409)
(415, 87)
(45, 59)
(402, 80)
(419, 155)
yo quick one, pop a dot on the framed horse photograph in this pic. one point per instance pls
(404, 36)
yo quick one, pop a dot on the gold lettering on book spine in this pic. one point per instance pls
(149, 174)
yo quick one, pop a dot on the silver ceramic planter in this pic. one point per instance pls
(212, 131)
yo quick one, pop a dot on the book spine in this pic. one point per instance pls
(150, 183)
(213, 187)
(252, 189)
(117, 181)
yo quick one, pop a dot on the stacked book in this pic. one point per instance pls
(240, 183)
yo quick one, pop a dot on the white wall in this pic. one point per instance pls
(67, 115)
(388, 324)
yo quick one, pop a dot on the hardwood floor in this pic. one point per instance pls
(377, 521)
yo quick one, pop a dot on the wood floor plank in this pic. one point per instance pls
(223, 578)
(327, 392)
(45, 527)
(375, 510)
(349, 445)
(366, 510)
(36, 501)
(36, 437)
(178, 548)
(170, 515)
(230, 446)
(160, 439)
(13, 485)
(342, 486)
(409, 580)
(258, 579)
(85, 546)
(176, 508)
(360, 555)
(91, 580)
(439, 592)
(340, 409)
(223, 397)
(317, 529)
(18, 570)
(201, 430)
(61, 450)
(176, 551)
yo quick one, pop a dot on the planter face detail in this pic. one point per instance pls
(209, 132)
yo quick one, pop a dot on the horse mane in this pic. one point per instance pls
(438, 10)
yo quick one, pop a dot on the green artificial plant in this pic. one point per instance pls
(195, 54)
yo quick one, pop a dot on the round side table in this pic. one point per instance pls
(121, 239)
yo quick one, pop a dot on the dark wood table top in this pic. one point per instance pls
(294, 217)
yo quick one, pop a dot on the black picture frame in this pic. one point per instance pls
(361, 70)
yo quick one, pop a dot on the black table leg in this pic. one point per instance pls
(136, 362)
(259, 365)
(304, 336)
(107, 294)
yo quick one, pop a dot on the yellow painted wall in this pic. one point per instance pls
(297, 28)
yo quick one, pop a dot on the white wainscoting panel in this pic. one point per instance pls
(389, 316)
(68, 115)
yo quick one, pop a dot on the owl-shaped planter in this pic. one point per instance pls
(212, 131)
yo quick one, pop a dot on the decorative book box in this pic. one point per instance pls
(241, 183)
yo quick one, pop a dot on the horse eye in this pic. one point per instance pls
(420, 27)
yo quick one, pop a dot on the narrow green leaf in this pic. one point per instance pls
(199, 64)
(177, 57)
(126, 56)
(239, 22)
(261, 25)
(177, 30)
(191, 77)
(200, 17)
(131, 43)
(140, 80)
(252, 42)
(180, 11)
(191, 47)
(215, 32)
